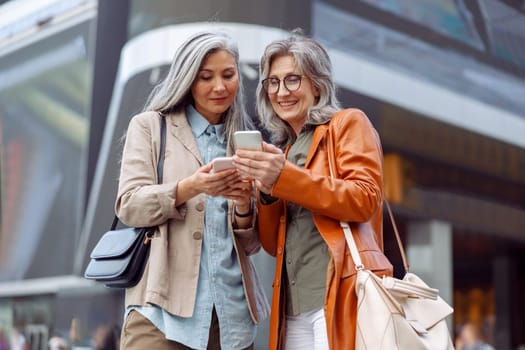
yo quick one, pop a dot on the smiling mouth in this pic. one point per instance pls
(287, 103)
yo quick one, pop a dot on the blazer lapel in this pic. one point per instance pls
(181, 129)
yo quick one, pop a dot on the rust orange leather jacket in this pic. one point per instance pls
(355, 196)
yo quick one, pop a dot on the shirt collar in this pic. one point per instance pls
(199, 124)
(311, 125)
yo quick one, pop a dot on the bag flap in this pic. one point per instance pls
(426, 312)
(117, 242)
(107, 269)
(369, 287)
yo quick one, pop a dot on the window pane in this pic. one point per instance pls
(506, 31)
(448, 17)
(45, 93)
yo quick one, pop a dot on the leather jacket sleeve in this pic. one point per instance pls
(269, 216)
(355, 193)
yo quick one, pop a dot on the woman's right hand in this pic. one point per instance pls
(215, 183)
(262, 166)
(205, 181)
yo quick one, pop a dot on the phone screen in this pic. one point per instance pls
(251, 140)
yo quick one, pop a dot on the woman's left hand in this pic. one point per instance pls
(240, 192)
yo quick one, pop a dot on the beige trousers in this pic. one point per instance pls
(138, 333)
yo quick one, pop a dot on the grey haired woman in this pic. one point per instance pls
(200, 289)
(300, 204)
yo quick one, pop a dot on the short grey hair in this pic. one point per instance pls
(313, 61)
(173, 94)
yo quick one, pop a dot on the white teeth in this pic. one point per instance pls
(286, 104)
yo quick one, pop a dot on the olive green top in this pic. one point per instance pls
(306, 253)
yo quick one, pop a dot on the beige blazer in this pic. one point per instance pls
(172, 271)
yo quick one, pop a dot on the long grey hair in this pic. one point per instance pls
(313, 61)
(173, 94)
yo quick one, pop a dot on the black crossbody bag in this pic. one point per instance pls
(119, 258)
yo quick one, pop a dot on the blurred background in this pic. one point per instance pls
(443, 81)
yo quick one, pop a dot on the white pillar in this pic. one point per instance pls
(429, 253)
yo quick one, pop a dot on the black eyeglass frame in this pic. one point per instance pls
(265, 83)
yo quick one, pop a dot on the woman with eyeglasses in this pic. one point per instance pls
(300, 204)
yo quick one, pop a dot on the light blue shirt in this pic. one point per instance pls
(220, 281)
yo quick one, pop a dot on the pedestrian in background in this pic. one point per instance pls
(469, 338)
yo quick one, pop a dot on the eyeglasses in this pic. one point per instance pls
(291, 82)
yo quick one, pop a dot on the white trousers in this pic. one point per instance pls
(306, 331)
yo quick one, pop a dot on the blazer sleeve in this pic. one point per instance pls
(141, 202)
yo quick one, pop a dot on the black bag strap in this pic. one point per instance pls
(160, 162)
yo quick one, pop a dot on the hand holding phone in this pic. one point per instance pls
(250, 140)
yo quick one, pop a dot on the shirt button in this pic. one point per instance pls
(293, 282)
(197, 235)
(289, 261)
(200, 207)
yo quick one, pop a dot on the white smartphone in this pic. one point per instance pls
(251, 140)
(222, 163)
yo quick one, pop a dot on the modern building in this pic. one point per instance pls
(443, 81)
